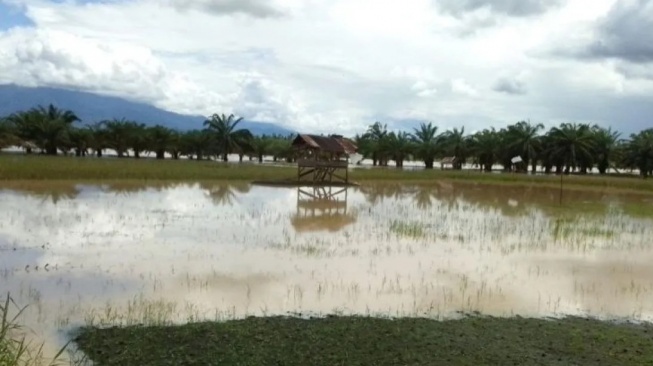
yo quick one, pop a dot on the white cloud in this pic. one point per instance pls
(323, 65)
(460, 86)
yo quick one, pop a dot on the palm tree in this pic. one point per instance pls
(196, 143)
(47, 127)
(606, 143)
(426, 142)
(573, 143)
(260, 147)
(485, 147)
(161, 140)
(81, 139)
(398, 146)
(8, 135)
(281, 148)
(376, 135)
(137, 138)
(98, 140)
(524, 140)
(639, 152)
(116, 135)
(456, 144)
(228, 138)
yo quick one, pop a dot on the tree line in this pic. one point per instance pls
(567, 148)
(51, 130)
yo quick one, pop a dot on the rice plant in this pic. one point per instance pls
(15, 349)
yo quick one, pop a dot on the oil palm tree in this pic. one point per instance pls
(398, 147)
(137, 138)
(426, 143)
(376, 135)
(161, 140)
(456, 144)
(260, 147)
(606, 144)
(573, 144)
(524, 140)
(485, 147)
(48, 127)
(227, 137)
(639, 152)
(116, 133)
(196, 143)
(8, 136)
(81, 139)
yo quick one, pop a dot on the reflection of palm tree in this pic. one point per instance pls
(424, 196)
(225, 194)
(54, 192)
(377, 193)
(128, 188)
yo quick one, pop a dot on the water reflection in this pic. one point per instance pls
(127, 253)
(225, 194)
(322, 208)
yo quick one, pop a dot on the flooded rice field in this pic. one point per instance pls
(126, 254)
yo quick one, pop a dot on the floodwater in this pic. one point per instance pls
(128, 254)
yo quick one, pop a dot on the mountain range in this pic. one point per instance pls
(91, 107)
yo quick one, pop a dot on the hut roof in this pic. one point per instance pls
(448, 160)
(332, 144)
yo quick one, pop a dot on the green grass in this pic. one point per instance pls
(372, 341)
(412, 229)
(15, 350)
(16, 167)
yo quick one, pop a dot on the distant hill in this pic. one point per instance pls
(93, 107)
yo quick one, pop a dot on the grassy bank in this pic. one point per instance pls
(21, 167)
(368, 341)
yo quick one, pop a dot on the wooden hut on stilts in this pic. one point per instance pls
(323, 160)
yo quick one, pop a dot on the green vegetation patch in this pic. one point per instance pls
(372, 341)
(22, 168)
(411, 229)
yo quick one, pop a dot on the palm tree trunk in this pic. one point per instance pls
(428, 163)
(160, 154)
(225, 157)
(260, 158)
(137, 154)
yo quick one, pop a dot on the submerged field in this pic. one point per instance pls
(122, 253)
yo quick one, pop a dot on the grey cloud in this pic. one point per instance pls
(635, 71)
(253, 8)
(518, 8)
(625, 33)
(509, 86)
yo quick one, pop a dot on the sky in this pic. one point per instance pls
(336, 66)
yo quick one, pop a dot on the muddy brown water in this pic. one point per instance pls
(130, 254)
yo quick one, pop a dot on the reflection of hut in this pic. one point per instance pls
(323, 159)
(321, 208)
(450, 160)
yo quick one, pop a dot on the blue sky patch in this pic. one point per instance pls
(12, 16)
